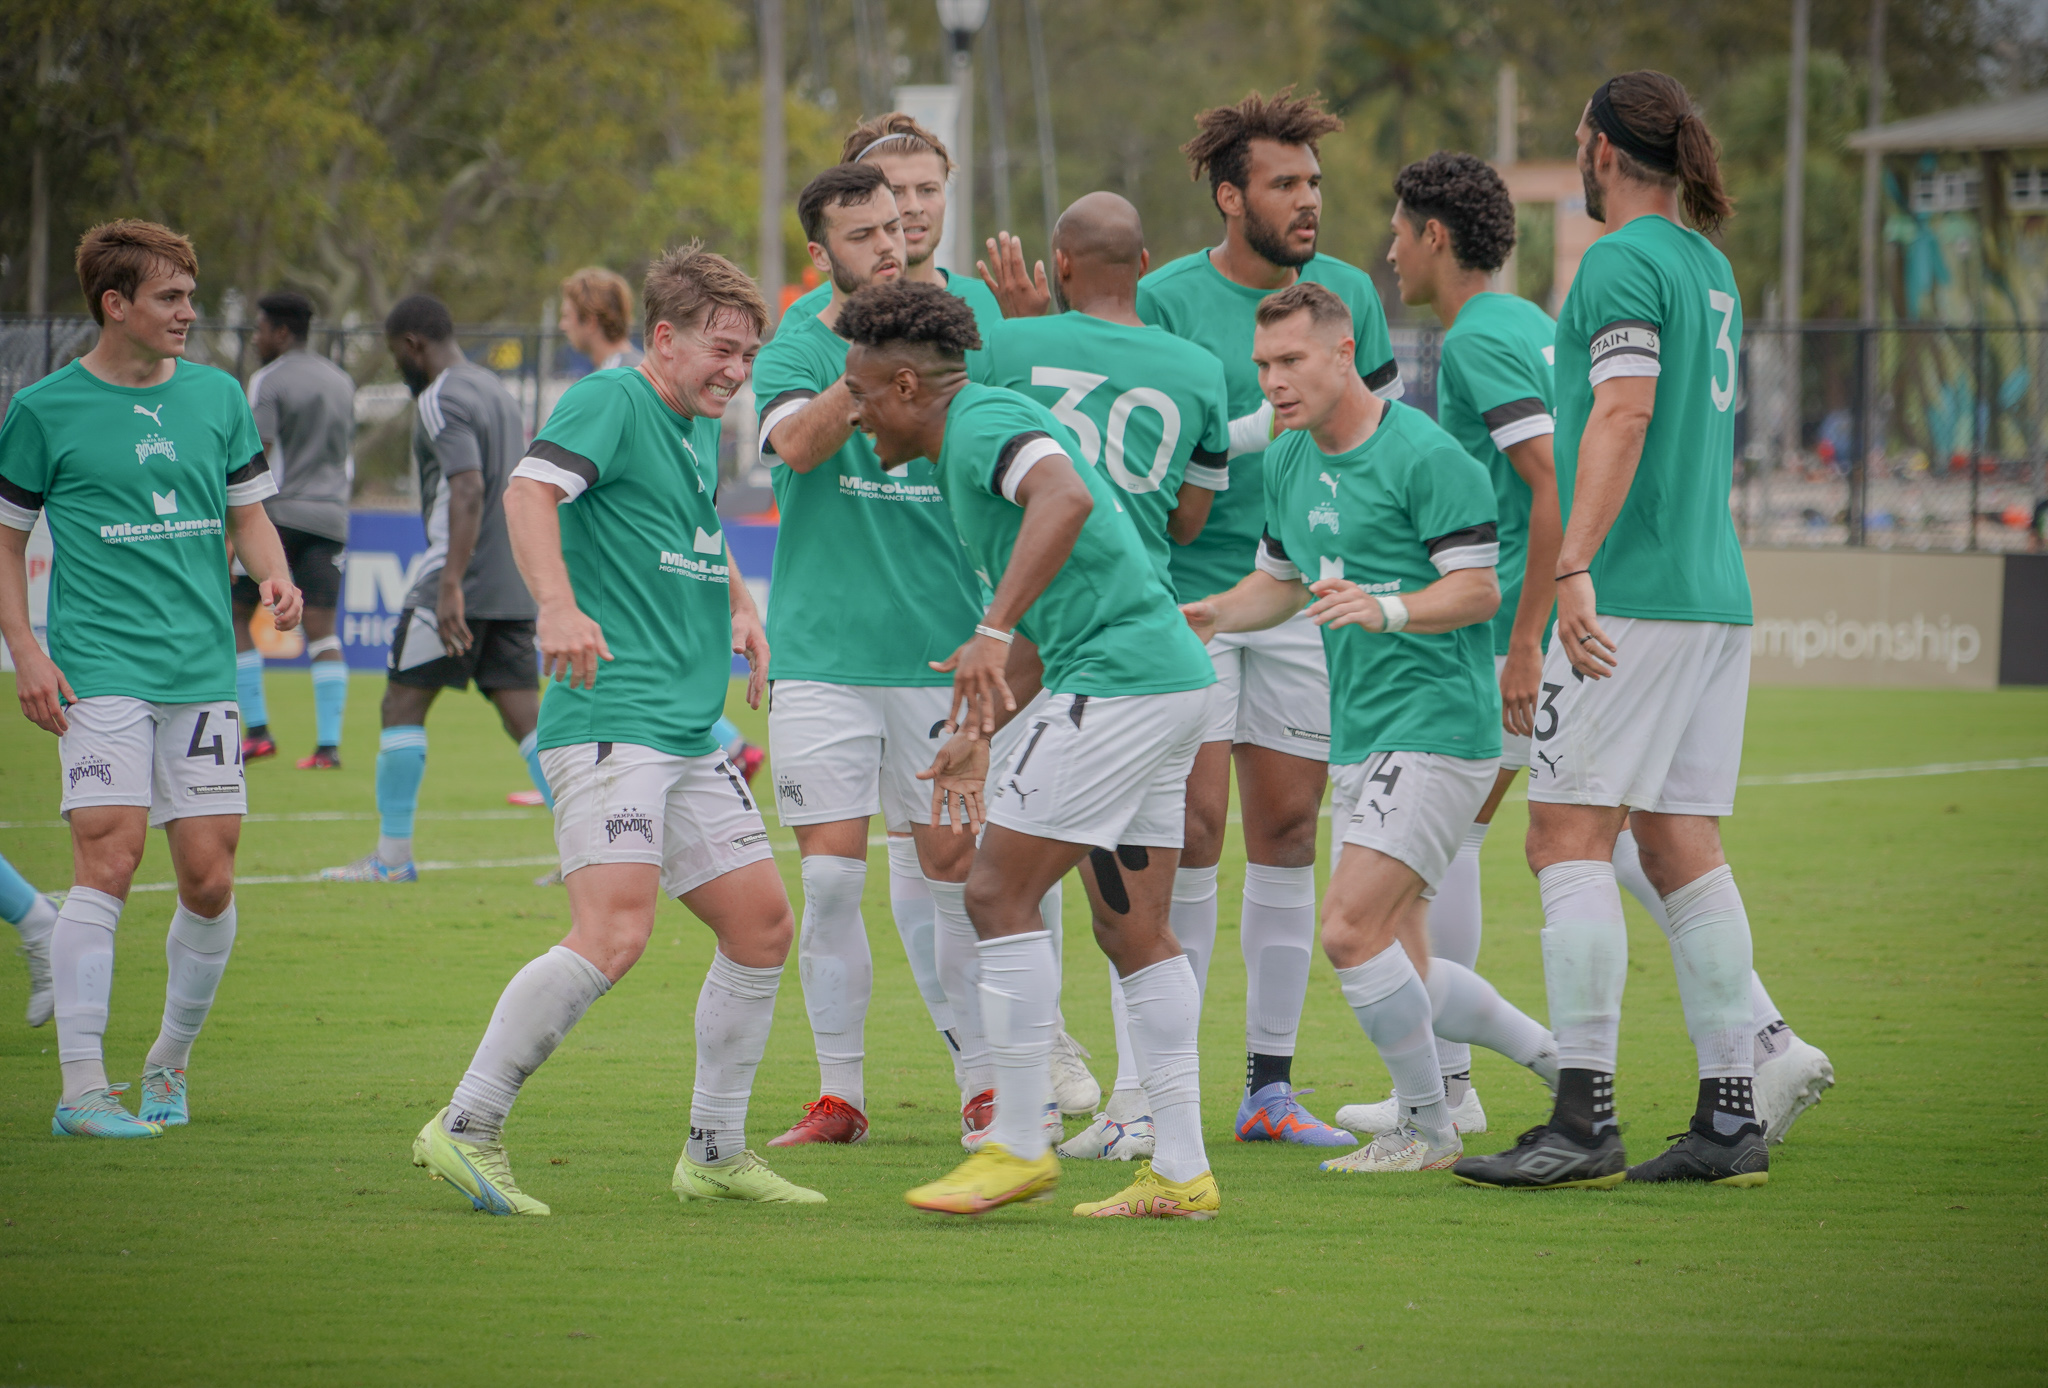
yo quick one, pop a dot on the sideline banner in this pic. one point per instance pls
(1876, 617)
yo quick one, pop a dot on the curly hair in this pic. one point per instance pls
(919, 315)
(1463, 192)
(1222, 148)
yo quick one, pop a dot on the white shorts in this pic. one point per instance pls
(1272, 689)
(1104, 772)
(1412, 806)
(842, 751)
(175, 760)
(1662, 733)
(1514, 748)
(619, 803)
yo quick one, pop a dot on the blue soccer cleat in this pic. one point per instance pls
(163, 1096)
(1275, 1114)
(98, 1113)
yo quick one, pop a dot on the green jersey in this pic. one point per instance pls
(869, 585)
(979, 297)
(1190, 298)
(647, 560)
(1393, 515)
(1145, 406)
(1493, 391)
(136, 485)
(1655, 299)
(1106, 625)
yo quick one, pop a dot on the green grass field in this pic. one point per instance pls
(285, 1238)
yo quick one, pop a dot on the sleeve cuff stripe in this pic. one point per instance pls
(547, 451)
(1522, 430)
(20, 497)
(1026, 458)
(542, 470)
(1216, 479)
(247, 472)
(1282, 569)
(16, 517)
(1466, 557)
(1618, 365)
(252, 491)
(780, 412)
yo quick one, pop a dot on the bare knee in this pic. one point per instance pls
(207, 892)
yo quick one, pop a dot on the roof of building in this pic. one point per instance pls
(2016, 124)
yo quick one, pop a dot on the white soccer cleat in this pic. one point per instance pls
(1105, 1139)
(42, 997)
(1788, 1085)
(1404, 1149)
(1073, 1088)
(1386, 1117)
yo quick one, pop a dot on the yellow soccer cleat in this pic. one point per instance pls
(745, 1177)
(1152, 1196)
(480, 1170)
(988, 1180)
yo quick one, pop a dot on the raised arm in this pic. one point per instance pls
(802, 429)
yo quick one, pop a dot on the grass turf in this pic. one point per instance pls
(284, 1237)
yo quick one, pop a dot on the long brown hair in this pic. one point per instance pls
(1660, 113)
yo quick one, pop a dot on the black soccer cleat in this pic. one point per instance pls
(1545, 1159)
(1705, 1157)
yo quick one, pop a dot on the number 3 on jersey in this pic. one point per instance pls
(1079, 385)
(1723, 304)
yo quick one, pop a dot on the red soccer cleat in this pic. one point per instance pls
(749, 760)
(255, 748)
(320, 761)
(828, 1119)
(524, 797)
(975, 1116)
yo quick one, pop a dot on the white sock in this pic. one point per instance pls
(1120, 1024)
(536, 1010)
(1456, 915)
(1165, 1005)
(1771, 1034)
(393, 852)
(1585, 962)
(1628, 871)
(35, 927)
(1277, 933)
(82, 980)
(910, 901)
(959, 961)
(1711, 947)
(198, 950)
(1052, 914)
(1466, 1007)
(1019, 1005)
(837, 970)
(734, 1012)
(1393, 1006)
(1193, 918)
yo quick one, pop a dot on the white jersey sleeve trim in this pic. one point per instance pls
(1028, 457)
(1615, 367)
(1534, 426)
(16, 517)
(541, 470)
(1269, 559)
(252, 491)
(1216, 479)
(1392, 390)
(774, 420)
(1466, 557)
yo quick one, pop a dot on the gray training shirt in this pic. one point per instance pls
(468, 422)
(306, 415)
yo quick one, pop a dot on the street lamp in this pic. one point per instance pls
(962, 20)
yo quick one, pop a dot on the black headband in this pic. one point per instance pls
(1661, 157)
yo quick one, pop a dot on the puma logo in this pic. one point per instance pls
(155, 415)
(1374, 806)
(1544, 757)
(1021, 793)
(1329, 482)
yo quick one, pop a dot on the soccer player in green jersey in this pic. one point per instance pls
(1647, 675)
(1383, 530)
(1147, 408)
(1273, 717)
(614, 525)
(1101, 771)
(143, 464)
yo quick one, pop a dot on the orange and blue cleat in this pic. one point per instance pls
(1274, 1114)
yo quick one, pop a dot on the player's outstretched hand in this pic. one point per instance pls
(749, 640)
(1590, 650)
(1019, 292)
(1521, 682)
(570, 646)
(978, 683)
(1341, 603)
(43, 691)
(285, 601)
(1202, 617)
(958, 775)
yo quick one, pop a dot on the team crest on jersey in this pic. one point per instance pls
(1323, 513)
(155, 446)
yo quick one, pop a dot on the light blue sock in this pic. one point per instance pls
(249, 689)
(529, 747)
(730, 739)
(401, 766)
(17, 897)
(330, 701)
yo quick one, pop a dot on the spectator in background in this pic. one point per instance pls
(597, 311)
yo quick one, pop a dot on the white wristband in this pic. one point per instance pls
(1393, 610)
(1006, 637)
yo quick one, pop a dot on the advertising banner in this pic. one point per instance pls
(1851, 616)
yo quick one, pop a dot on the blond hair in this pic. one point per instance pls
(119, 255)
(690, 285)
(602, 297)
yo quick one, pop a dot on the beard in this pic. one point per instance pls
(843, 279)
(1272, 245)
(1596, 197)
(416, 380)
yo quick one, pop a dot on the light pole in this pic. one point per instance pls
(962, 20)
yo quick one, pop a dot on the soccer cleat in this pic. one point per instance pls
(1275, 1114)
(1386, 1117)
(98, 1113)
(748, 761)
(988, 1180)
(1105, 1139)
(163, 1097)
(829, 1119)
(1055, 1130)
(42, 997)
(255, 748)
(525, 798)
(1404, 1149)
(745, 1177)
(975, 1116)
(1709, 1159)
(480, 1170)
(1151, 1196)
(551, 878)
(1073, 1088)
(371, 868)
(1786, 1086)
(321, 760)
(1545, 1159)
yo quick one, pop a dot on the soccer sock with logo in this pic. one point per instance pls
(82, 981)
(249, 692)
(330, 692)
(734, 1012)
(1455, 923)
(1019, 988)
(910, 902)
(1711, 946)
(1277, 933)
(1392, 1006)
(1585, 967)
(959, 962)
(1468, 1011)
(401, 766)
(1164, 1003)
(529, 749)
(23, 907)
(1771, 1034)
(536, 1010)
(197, 949)
(837, 971)
(1192, 916)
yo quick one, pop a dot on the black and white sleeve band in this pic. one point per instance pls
(776, 413)
(1211, 470)
(1518, 421)
(1625, 347)
(251, 482)
(1272, 559)
(1474, 547)
(1385, 380)
(549, 462)
(18, 506)
(1022, 453)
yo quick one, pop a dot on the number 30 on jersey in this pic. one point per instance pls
(1079, 385)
